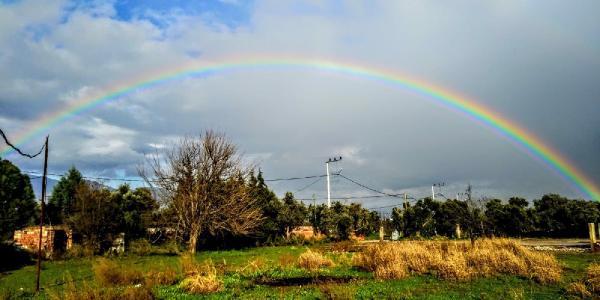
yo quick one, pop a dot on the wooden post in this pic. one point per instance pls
(458, 231)
(39, 258)
(592, 231)
(381, 233)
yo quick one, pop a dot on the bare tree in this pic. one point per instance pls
(203, 181)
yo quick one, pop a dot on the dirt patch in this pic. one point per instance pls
(304, 280)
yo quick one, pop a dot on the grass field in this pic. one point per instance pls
(272, 272)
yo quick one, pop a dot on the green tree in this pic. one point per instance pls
(62, 200)
(135, 210)
(293, 213)
(95, 218)
(271, 207)
(17, 200)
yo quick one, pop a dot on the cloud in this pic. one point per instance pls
(511, 57)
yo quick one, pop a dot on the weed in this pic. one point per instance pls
(166, 277)
(108, 273)
(140, 247)
(205, 281)
(337, 292)
(578, 289)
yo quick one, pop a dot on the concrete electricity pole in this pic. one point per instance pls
(331, 160)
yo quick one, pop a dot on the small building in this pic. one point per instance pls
(55, 239)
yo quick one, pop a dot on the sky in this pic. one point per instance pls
(537, 65)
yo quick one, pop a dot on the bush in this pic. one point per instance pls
(313, 261)
(166, 277)
(79, 251)
(458, 261)
(578, 289)
(109, 273)
(593, 278)
(204, 281)
(140, 247)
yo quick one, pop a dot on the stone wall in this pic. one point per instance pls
(55, 239)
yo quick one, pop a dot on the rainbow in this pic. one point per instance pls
(525, 140)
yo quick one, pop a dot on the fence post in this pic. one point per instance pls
(592, 231)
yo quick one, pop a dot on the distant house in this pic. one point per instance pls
(55, 239)
(305, 232)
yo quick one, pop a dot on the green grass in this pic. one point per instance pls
(340, 281)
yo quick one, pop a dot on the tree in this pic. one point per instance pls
(293, 214)
(135, 210)
(95, 217)
(202, 180)
(270, 207)
(17, 200)
(62, 200)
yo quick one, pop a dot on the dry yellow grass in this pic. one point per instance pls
(458, 260)
(109, 273)
(592, 280)
(165, 277)
(203, 280)
(313, 261)
(578, 289)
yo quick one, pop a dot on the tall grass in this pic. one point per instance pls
(313, 261)
(458, 260)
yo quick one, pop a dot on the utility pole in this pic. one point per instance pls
(39, 260)
(439, 185)
(330, 160)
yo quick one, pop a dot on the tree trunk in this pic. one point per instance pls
(193, 241)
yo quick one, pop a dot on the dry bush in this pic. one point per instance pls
(578, 289)
(313, 261)
(166, 277)
(543, 267)
(458, 260)
(593, 278)
(286, 260)
(108, 273)
(205, 281)
(189, 265)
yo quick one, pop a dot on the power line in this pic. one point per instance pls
(309, 185)
(19, 150)
(37, 173)
(370, 188)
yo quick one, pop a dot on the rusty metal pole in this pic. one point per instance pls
(39, 260)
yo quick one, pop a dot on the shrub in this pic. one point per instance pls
(109, 273)
(578, 289)
(205, 281)
(313, 261)
(165, 277)
(85, 291)
(79, 251)
(593, 278)
(189, 265)
(140, 247)
(286, 260)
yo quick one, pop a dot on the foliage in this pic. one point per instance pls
(93, 217)
(17, 201)
(135, 210)
(62, 201)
